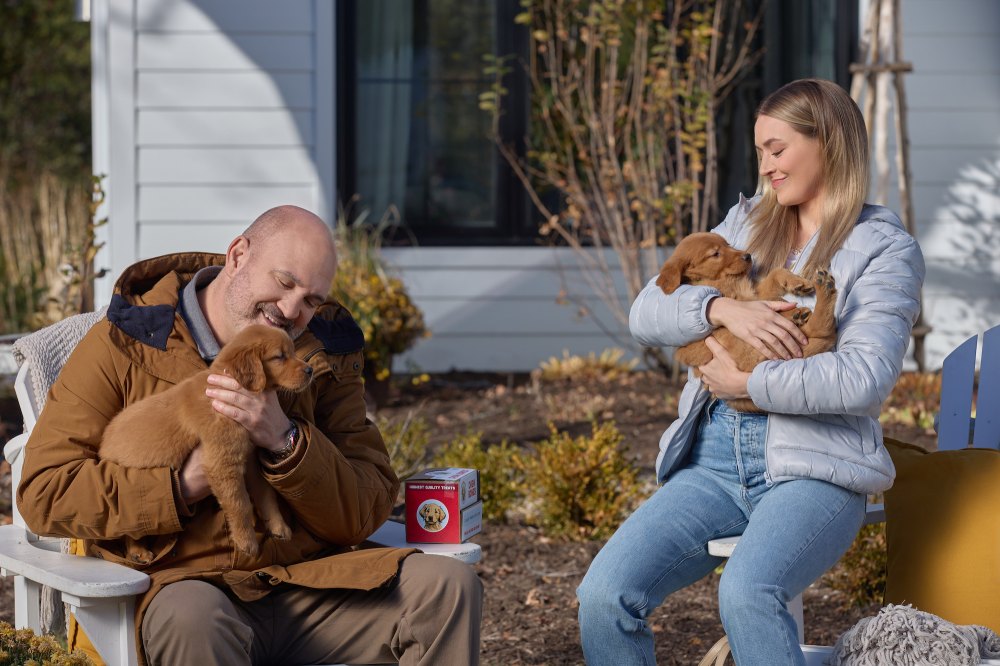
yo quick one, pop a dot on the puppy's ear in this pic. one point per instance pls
(248, 369)
(670, 275)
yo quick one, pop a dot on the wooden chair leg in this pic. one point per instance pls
(795, 608)
(109, 626)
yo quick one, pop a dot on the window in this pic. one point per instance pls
(411, 133)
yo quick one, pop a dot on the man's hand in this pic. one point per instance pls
(721, 375)
(259, 413)
(759, 324)
(194, 485)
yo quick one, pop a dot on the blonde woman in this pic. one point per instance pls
(792, 481)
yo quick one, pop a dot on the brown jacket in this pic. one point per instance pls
(336, 490)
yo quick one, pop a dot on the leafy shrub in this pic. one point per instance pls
(406, 441)
(914, 401)
(500, 471)
(581, 488)
(609, 365)
(22, 646)
(862, 570)
(379, 301)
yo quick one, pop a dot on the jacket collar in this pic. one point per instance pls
(148, 328)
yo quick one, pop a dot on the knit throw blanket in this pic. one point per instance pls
(904, 636)
(46, 350)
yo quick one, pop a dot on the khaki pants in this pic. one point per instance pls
(430, 615)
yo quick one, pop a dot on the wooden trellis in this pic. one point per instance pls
(882, 64)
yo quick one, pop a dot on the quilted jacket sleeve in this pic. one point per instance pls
(884, 270)
(673, 320)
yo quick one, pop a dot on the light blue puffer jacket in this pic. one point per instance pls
(823, 410)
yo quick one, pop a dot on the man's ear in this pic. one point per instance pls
(237, 253)
(670, 275)
(248, 369)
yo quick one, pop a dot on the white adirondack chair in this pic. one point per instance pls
(102, 594)
(956, 428)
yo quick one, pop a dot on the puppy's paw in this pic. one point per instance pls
(802, 288)
(800, 316)
(140, 556)
(824, 280)
(247, 546)
(281, 532)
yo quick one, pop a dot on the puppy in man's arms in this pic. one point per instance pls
(707, 259)
(259, 358)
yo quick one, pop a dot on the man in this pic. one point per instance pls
(309, 599)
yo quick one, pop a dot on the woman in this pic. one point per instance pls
(793, 481)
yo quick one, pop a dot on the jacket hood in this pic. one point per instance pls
(144, 317)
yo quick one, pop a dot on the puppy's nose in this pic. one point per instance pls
(747, 257)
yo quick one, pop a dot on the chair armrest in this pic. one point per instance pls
(14, 447)
(82, 577)
(393, 535)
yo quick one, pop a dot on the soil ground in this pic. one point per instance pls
(530, 611)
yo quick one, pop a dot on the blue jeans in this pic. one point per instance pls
(792, 532)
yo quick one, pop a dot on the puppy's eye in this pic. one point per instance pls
(716, 253)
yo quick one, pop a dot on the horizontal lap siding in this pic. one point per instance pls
(502, 309)
(225, 100)
(954, 118)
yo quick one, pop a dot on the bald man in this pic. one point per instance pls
(308, 599)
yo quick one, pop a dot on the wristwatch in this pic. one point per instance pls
(291, 442)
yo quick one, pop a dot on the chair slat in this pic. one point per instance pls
(957, 378)
(987, 432)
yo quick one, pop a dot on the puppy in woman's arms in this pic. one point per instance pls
(707, 259)
(174, 422)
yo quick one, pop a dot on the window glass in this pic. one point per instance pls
(420, 139)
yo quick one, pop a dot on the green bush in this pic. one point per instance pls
(500, 471)
(581, 488)
(861, 572)
(22, 646)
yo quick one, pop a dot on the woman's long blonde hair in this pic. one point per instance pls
(820, 110)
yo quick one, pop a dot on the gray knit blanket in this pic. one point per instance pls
(47, 350)
(904, 636)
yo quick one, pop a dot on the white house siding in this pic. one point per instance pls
(215, 111)
(954, 119)
(505, 309)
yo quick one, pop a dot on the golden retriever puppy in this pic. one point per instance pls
(433, 515)
(707, 259)
(163, 429)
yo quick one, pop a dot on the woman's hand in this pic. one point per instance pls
(759, 324)
(259, 413)
(721, 375)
